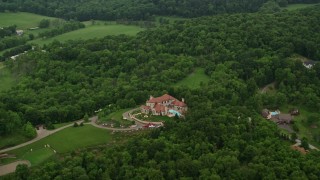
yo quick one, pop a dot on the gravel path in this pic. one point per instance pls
(10, 168)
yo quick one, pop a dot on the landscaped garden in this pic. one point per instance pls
(152, 118)
(114, 119)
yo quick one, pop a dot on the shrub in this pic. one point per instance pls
(75, 124)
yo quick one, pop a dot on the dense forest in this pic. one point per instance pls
(135, 9)
(223, 135)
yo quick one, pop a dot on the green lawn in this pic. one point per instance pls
(116, 118)
(37, 156)
(63, 141)
(23, 20)
(6, 78)
(92, 31)
(292, 7)
(194, 80)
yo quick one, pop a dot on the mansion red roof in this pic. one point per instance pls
(179, 103)
(159, 108)
(165, 97)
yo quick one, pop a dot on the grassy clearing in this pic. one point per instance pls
(292, 7)
(92, 31)
(63, 141)
(305, 129)
(194, 80)
(6, 78)
(116, 118)
(23, 20)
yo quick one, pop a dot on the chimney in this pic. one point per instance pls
(151, 97)
(182, 99)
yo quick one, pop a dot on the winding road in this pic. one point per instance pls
(42, 133)
(93, 121)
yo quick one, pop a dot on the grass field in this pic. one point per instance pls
(23, 20)
(292, 7)
(63, 141)
(6, 78)
(92, 31)
(194, 80)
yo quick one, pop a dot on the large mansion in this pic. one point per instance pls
(165, 105)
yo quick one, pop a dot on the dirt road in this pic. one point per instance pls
(10, 168)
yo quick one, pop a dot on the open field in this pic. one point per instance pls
(23, 20)
(63, 141)
(6, 78)
(292, 7)
(92, 31)
(194, 80)
(38, 156)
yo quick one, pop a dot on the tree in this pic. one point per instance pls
(22, 172)
(44, 23)
(75, 124)
(86, 118)
(31, 36)
(305, 143)
(29, 130)
(293, 137)
(270, 7)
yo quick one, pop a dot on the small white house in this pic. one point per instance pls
(19, 32)
(309, 64)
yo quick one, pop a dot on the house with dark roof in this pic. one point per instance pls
(283, 118)
(164, 105)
